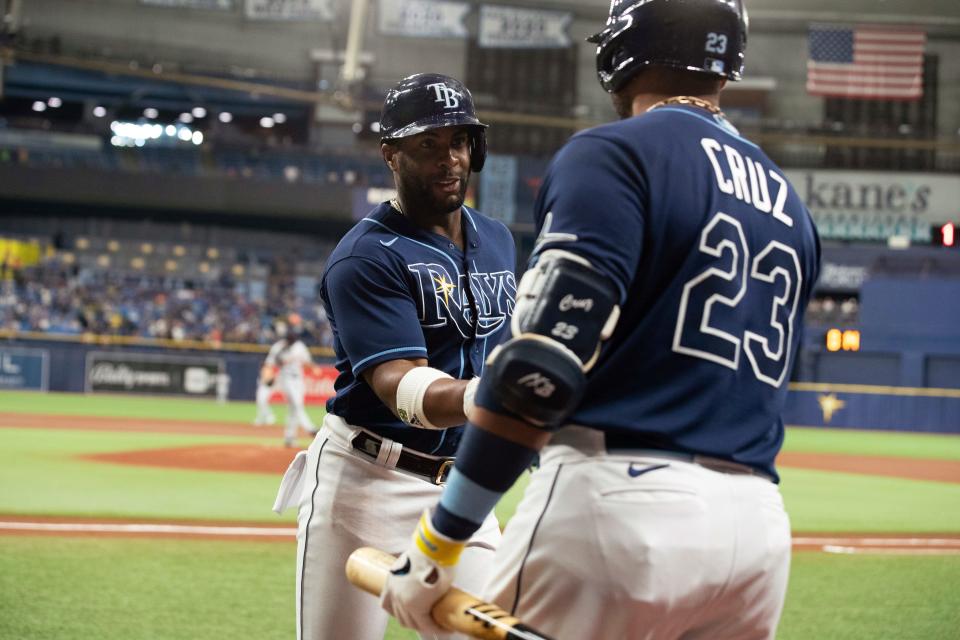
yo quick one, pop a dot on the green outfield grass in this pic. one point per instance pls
(828, 501)
(121, 406)
(41, 474)
(115, 588)
(872, 443)
(118, 589)
(123, 589)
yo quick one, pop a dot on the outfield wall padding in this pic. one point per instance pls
(857, 406)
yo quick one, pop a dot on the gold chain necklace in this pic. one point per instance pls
(689, 100)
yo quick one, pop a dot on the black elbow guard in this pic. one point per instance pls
(537, 379)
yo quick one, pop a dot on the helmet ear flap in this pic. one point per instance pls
(478, 149)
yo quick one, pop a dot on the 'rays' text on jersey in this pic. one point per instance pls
(444, 299)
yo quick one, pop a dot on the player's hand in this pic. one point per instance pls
(420, 577)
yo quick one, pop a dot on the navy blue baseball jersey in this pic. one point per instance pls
(714, 256)
(392, 290)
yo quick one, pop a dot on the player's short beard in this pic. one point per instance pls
(417, 195)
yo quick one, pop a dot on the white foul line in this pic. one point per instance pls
(149, 528)
(879, 542)
(829, 548)
(842, 545)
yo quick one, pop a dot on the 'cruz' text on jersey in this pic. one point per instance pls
(746, 179)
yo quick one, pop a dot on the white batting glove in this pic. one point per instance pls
(420, 577)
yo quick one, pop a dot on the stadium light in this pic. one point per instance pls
(54, 102)
(948, 235)
(99, 112)
(225, 117)
(199, 112)
(150, 113)
(266, 123)
(279, 118)
(39, 106)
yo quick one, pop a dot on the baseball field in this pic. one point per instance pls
(127, 518)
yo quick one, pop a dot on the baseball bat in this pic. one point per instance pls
(367, 568)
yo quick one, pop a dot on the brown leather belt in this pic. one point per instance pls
(433, 469)
(707, 462)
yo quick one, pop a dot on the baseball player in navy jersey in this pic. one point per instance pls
(647, 361)
(417, 295)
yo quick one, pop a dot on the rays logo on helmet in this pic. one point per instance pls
(449, 97)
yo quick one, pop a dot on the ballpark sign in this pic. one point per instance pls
(318, 386)
(290, 10)
(24, 369)
(144, 373)
(515, 28)
(855, 205)
(423, 18)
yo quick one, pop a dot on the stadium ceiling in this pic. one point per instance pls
(938, 15)
(126, 87)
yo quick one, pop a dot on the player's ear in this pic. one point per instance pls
(389, 154)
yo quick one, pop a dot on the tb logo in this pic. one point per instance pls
(449, 97)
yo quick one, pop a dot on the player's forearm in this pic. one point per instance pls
(487, 465)
(443, 403)
(418, 395)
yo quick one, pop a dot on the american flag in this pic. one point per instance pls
(866, 62)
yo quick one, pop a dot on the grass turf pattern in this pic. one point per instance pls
(116, 588)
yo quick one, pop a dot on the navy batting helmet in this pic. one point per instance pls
(427, 101)
(707, 36)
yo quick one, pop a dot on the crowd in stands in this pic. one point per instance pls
(54, 296)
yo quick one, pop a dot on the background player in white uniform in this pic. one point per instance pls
(649, 352)
(416, 293)
(265, 381)
(291, 355)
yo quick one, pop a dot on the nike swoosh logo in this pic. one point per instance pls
(402, 571)
(635, 472)
(387, 244)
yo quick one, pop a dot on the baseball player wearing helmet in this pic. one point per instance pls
(417, 294)
(648, 360)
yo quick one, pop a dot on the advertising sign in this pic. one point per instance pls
(498, 188)
(515, 28)
(24, 369)
(423, 18)
(318, 382)
(290, 9)
(873, 205)
(219, 5)
(144, 373)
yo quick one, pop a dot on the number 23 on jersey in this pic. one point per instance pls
(732, 280)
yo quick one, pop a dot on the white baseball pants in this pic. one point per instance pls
(627, 547)
(345, 502)
(294, 389)
(264, 412)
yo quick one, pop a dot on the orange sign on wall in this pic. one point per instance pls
(319, 385)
